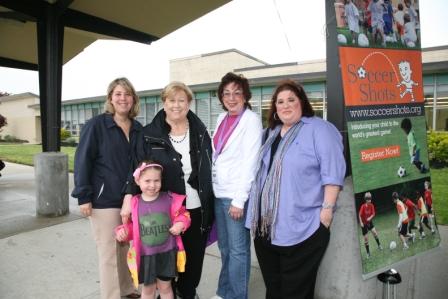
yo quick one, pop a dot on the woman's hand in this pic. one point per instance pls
(177, 228)
(86, 209)
(326, 216)
(121, 235)
(236, 213)
(125, 212)
(330, 195)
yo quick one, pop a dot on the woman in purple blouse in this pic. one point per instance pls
(300, 172)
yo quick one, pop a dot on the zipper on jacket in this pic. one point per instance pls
(199, 183)
(163, 142)
(101, 191)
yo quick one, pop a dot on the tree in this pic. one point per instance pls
(3, 121)
(4, 94)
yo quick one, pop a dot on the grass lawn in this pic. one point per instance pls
(24, 153)
(439, 179)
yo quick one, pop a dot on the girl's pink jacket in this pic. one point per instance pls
(178, 213)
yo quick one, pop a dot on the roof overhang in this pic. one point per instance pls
(85, 21)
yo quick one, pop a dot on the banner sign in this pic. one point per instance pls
(381, 70)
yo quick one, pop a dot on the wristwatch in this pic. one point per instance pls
(326, 205)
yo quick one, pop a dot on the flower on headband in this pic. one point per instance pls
(142, 167)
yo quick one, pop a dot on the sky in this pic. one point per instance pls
(275, 31)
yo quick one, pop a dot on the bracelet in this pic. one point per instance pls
(326, 205)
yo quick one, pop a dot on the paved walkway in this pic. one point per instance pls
(56, 257)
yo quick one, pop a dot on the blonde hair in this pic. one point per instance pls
(173, 88)
(127, 85)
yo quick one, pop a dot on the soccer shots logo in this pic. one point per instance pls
(370, 94)
(381, 77)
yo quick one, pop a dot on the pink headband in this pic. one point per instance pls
(142, 167)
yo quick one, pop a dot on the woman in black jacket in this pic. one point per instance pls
(101, 167)
(177, 139)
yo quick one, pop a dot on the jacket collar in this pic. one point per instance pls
(109, 121)
(159, 122)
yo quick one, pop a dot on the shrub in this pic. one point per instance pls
(70, 142)
(13, 139)
(65, 134)
(8, 138)
(438, 148)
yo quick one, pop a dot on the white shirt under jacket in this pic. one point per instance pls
(234, 169)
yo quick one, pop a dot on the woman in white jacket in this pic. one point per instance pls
(235, 146)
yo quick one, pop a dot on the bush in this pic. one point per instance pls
(70, 142)
(438, 148)
(65, 134)
(13, 139)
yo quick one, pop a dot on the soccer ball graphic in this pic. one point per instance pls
(410, 44)
(389, 39)
(363, 41)
(392, 245)
(342, 39)
(401, 172)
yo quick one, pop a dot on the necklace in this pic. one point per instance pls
(182, 139)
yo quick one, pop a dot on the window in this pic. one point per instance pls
(316, 101)
(436, 101)
(68, 118)
(81, 114)
(266, 96)
(255, 101)
(151, 105)
(215, 110)
(141, 114)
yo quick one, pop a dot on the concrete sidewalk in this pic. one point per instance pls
(56, 257)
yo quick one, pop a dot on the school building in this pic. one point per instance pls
(202, 73)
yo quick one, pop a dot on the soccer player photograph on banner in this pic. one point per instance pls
(394, 223)
(389, 24)
(392, 151)
(380, 61)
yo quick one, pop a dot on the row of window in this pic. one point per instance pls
(207, 106)
(436, 101)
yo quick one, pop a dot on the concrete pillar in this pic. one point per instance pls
(340, 271)
(51, 172)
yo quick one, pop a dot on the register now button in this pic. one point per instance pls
(380, 153)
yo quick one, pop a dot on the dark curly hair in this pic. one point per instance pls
(239, 80)
(297, 89)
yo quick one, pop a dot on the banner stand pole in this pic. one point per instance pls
(390, 278)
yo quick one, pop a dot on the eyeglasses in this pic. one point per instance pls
(237, 94)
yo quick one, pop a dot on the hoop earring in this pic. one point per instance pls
(276, 116)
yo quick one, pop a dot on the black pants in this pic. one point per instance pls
(194, 242)
(290, 271)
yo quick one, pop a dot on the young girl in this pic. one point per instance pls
(158, 219)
